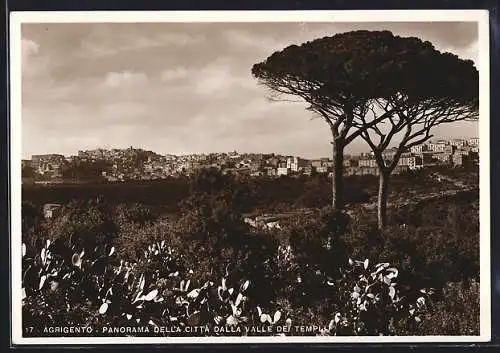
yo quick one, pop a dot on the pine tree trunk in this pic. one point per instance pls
(338, 175)
(383, 194)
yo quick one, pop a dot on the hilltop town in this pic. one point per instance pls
(119, 165)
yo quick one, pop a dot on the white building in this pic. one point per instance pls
(458, 143)
(295, 164)
(412, 162)
(438, 146)
(282, 171)
(417, 149)
(473, 142)
(367, 162)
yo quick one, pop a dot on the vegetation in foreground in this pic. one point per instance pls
(104, 265)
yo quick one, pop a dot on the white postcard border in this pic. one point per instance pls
(17, 18)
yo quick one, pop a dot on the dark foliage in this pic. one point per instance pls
(32, 228)
(456, 314)
(84, 225)
(269, 194)
(136, 213)
(364, 64)
(434, 242)
(211, 225)
(299, 270)
(85, 170)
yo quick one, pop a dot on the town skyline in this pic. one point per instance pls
(138, 164)
(366, 150)
(184, 88)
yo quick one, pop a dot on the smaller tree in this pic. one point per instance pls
(418, 105)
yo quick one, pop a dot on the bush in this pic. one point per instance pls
(88, 226)
(136, 213)
(432, 243)
(133, 238)
(456, 313)
(32, 228)
(315, 242)
(369, 303)
(159, 290)
(212, 183)
(155, 291)
(126, 266)
(223, 243)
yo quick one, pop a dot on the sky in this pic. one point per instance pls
(181, 88)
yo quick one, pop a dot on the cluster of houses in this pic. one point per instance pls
(137, 164)
(453, 153)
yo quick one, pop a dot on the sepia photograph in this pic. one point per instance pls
(213, 177)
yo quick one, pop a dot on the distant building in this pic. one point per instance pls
(322, 169)
(148, 168)
(50, 210)
(295, 164)
(458, 143)
(38, 160)
(418, 148)
(282, 171)
(273, 162)
(316, 163)
(256, 166)
(270, 171)
(349, 162)
(365, 170)
(459, 159)
(307, 170)
(410, 161)
(328, 163)
(473, 142)
(437, 146)
(401, 169)
(282, 164)
(444, 158)
(367, 162)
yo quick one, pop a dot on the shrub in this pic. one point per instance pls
(89, 225)
(32, 228)
(455, 312)
(432, 255)
(211, 182)
(211, 226)
(127, 267)
(432, 243)
(315, 193)
(136, 213)
(315, 242)
(155, 291)
(159, 290)
(133, 238)
(368, 302)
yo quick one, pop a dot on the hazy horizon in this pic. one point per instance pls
(75, 153)
(184, 88)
